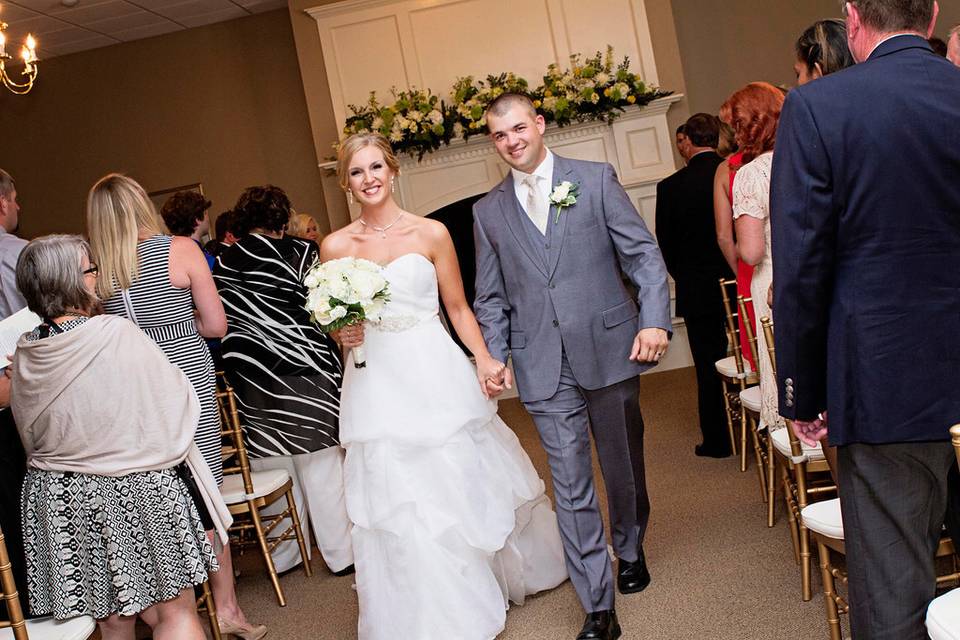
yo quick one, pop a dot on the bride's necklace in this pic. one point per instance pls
(381, 230)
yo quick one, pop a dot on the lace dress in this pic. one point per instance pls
(751, 197)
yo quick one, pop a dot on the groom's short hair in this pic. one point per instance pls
(506, 101)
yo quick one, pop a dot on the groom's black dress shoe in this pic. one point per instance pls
(633, 577)
(600, 625)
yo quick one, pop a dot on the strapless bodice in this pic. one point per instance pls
(412, 282)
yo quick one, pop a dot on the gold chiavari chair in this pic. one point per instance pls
(205, 603)
(824, 520)
(246, 492)
(750, 403)
(16, 628)
(805, 477)
(735, 374)
(943, 614)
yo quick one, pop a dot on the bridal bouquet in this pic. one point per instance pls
(346, 291)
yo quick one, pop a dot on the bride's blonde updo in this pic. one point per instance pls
(356, 142)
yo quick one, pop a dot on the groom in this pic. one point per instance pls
(550, 292)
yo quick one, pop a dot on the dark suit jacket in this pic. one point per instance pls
(865, 214)
(687, 235)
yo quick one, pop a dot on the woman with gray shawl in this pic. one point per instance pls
(116, 492)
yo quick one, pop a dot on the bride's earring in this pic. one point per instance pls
(393, 184)
(350, 196)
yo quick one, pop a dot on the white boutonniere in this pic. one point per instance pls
(564, 195)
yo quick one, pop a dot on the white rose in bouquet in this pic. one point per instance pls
(343, 292)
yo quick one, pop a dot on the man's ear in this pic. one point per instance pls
(933, 20)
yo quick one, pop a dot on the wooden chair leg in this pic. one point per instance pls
(771, 473)
(211, 611)
(829, 592)
(743, 440)
(298, 530)
(758, 458)
(265, 549)
(791, 514)
(729, 411)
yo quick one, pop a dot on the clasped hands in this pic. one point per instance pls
(494, 376)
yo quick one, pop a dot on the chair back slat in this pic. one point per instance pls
(232, 433)
(751, 336)
(10, 597)
(733, 328)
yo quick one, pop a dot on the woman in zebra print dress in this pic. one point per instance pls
(285, 372)
(158, 281)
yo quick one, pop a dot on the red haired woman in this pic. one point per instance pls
(754, 114)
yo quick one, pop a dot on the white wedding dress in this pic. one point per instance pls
(450, 520)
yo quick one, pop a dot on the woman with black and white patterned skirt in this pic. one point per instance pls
(163, 284)
(285, 372)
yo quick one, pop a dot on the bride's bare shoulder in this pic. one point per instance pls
(338, 244)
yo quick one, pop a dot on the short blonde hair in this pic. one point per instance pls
(297, 226)
(118, 213)
(350, 146)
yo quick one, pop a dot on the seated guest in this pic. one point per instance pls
(754, 112)
(304, 226)
(185, 214)
(286, 373)
(687, 237)
(116, 492)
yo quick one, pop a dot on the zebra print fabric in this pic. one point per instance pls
(286, 373)
(165, 313)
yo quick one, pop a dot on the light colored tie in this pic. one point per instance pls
(536, 204)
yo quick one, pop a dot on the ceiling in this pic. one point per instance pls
(60, 30)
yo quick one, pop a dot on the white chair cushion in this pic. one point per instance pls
(264, 483)
(750, 398)
(824, 518)
(781, 440)
(943, 617)
(728, 367)
(79, 628)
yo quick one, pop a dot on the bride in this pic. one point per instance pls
(450, 520)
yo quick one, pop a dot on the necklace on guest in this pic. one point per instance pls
(381, 230)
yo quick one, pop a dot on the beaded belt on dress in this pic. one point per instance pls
(396, 324)
(172, 331)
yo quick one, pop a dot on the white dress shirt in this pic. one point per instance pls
(544, 175)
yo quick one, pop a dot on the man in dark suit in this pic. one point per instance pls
(687, 236)
(865, 213)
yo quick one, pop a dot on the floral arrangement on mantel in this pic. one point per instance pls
(417, 121)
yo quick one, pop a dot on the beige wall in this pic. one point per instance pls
(727, 44)
(222, 105)
(320, 107)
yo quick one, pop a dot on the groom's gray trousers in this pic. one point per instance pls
(565, 421)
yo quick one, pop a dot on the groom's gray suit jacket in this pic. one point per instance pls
(538, 296)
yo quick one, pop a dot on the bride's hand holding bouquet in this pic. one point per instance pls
(341, 295)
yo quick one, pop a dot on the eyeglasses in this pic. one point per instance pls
(93, 270)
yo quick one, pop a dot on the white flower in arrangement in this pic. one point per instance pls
(457, 130)
(377, 123)
(594, 97)
(436, 117)
(396, 135)
(415, 115)
(564, 195)
(343, 292)
(403, 122)
(601, 79)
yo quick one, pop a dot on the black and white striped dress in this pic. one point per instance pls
(286, 373)
(165, 313)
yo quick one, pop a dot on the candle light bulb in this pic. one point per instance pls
(31, 42)
(3, 42)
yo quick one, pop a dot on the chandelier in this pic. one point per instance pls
(28, 54)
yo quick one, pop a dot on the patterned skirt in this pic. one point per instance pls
(98, 545)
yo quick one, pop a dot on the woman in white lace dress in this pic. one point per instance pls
(755, 111)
